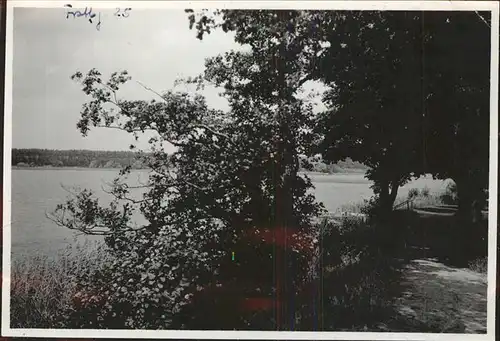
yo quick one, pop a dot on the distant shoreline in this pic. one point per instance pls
(69, 168)
(88, 159)
(345, 171)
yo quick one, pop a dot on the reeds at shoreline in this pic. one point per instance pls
(42, 285)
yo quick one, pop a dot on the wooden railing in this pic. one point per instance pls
(408, 203)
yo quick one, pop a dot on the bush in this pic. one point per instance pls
(426, 201)
(425, 192)
(413, 193)
(333, 168)
(370, 208)
(359, 278)
(149, 279)
(251, 276)
(356, 207)
(479, 265)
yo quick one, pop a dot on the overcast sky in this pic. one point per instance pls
(156, 47)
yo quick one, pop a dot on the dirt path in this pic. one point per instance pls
(438, 298)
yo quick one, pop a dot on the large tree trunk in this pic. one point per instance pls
(285, 172)
(470, 201)
(471, 230)
(394, 193)
(387, 197)
(464, 203)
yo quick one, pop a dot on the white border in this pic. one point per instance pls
(7, 170)
(332, 5)
(493, 188)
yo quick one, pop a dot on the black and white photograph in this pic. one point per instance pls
(282, 171)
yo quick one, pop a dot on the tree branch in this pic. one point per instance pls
(100, 231)
(203, 126)
(194, 126)
(124, 197)
(151, 90)
(140, 130)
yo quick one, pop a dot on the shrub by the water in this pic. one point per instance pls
(358, 270)
(425, 192)
(150, 278)
(413, 193)
(242, 292)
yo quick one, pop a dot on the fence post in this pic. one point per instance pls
(408, 204)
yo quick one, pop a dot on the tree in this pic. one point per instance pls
(265, 83)
(375, 109)
(458, 104)
(159, 265)
(364, 119)
(200, 203)
(410, 95)
(399, 82)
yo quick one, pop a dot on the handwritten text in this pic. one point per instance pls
(122, 13)
(92, 17)
(87, 13)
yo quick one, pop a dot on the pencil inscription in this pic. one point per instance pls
(86, 13)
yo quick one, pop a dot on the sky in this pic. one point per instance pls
(155, 46)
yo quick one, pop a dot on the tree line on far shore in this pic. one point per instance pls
(34, 157)
(75, 158)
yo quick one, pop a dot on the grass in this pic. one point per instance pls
(359, 283)
(422, 198)
(479, 265)
(426, 201)
(41, 286)
(355, 207)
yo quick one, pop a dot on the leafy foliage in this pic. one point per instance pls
(200, 202)
(459, 103)
(357, 279)
(413, 193)
(346, 166)
(420, 102)
(159, 264)
(149, 280)
(274, 123)
(408, 92)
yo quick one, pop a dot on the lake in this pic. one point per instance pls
(37, 191)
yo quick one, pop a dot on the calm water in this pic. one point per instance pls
(37, 191)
